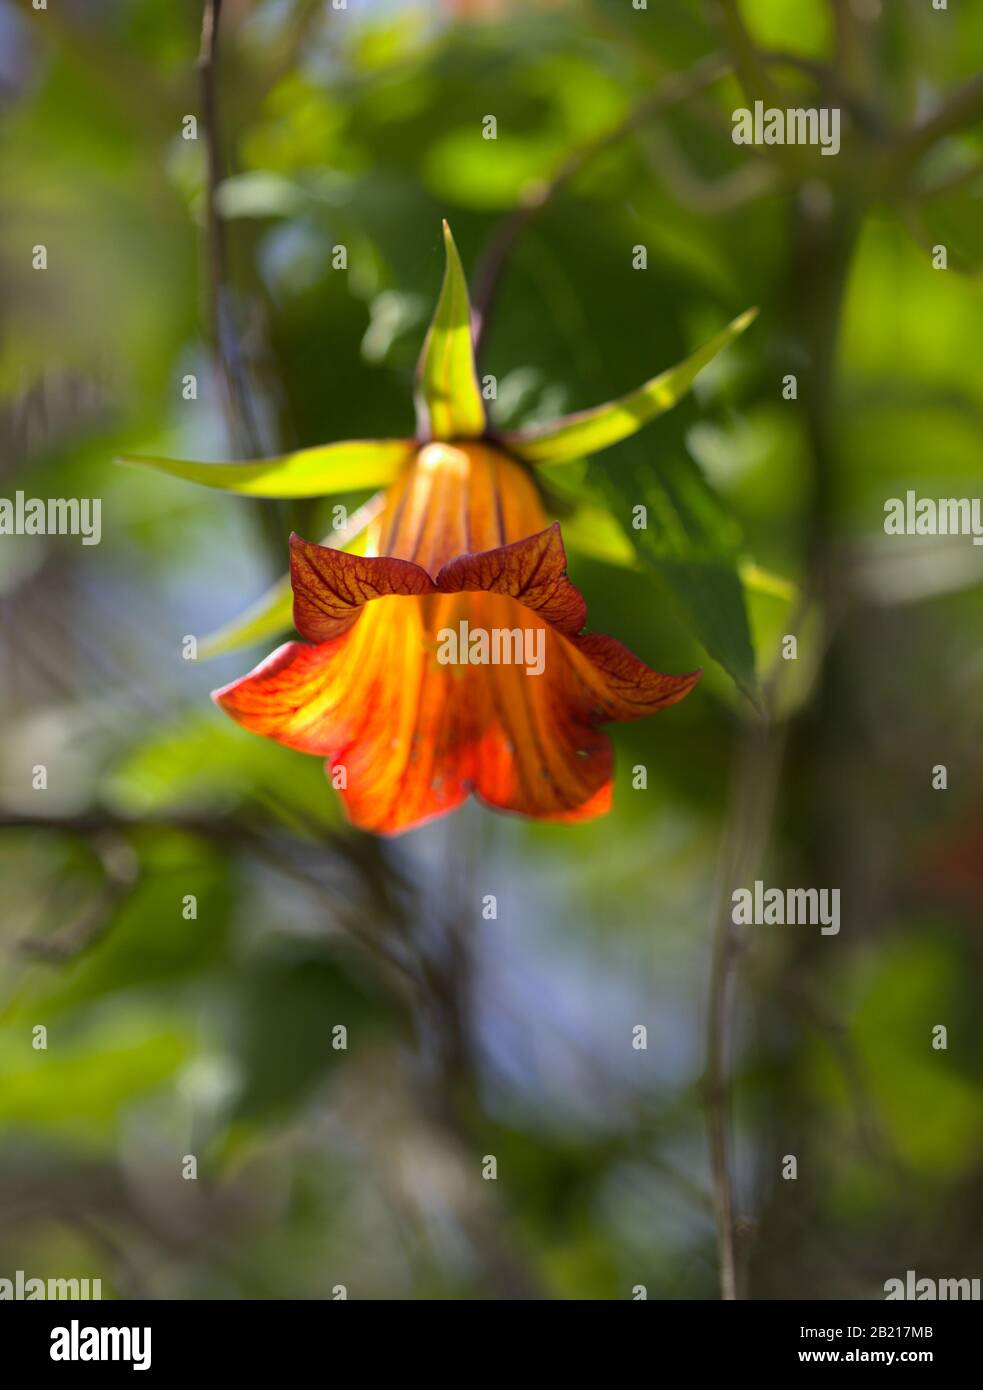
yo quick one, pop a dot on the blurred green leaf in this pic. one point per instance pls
(290, 1001)
(207, 763)
(693, 545)
(82, 1085)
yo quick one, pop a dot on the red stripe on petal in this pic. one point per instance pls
(282, 697)
(621, 686)
(331, 587)
(533, 571)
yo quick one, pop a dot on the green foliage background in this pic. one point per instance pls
(166, 1036)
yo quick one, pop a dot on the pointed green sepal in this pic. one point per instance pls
(589, 431)
(316, 472)
(269, 617)
(448, 397)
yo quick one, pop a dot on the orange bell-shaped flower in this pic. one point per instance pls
(462, 563)
(449, 658)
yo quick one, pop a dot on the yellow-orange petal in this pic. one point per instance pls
(456, 499)
(409, 737)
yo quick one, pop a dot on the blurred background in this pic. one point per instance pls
(207, 1028)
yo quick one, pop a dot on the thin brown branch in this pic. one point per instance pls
(92, 923)
(672, 91)
(843, 32)
(305, 858)
(749, 64)
(230, 371)
(756, 776)
(830, 82)
(826, 245)
(962, 107)
(949, 183)
(214, 237)
(225, 356)
(709, 197)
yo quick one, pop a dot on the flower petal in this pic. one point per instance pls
(449, 404)
(588, 431)
(533, 570)
(414, 736)
(457, 499)
(331, 587)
